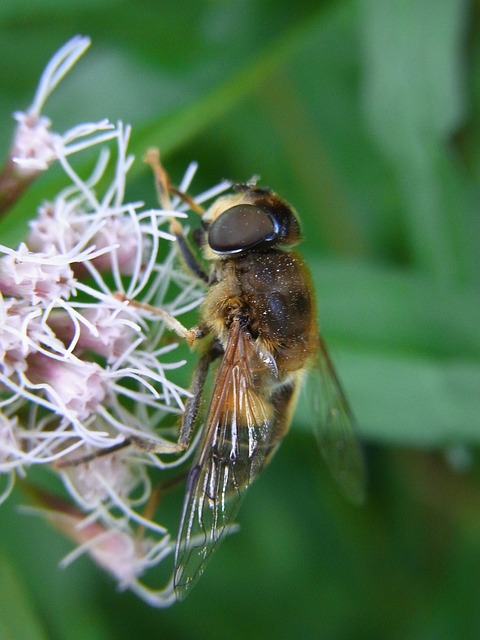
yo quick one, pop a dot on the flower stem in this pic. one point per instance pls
(13, 184)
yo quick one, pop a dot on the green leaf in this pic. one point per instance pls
(414, 100)
(413, 77)
(18, 620)
(413, 401)
(398, 310)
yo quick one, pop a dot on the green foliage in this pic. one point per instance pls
(17, 613)
(365, 115)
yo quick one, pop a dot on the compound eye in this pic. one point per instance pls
(240, 228)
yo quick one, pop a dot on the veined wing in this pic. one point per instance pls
(232, 452)
(335, 427)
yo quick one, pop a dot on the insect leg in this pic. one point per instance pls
(189, 335)
(186, 252)
(89, 457)
(164, 190)
(192, 406)
(189, 420)
(164, 185)
(283, 401)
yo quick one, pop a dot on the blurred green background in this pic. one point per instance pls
(365, 115)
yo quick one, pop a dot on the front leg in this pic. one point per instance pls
(189, 335)
(192, 406)
(164, 190)
(189, 258)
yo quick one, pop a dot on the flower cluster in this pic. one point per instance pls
(81, 370)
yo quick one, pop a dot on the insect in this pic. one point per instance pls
(258, 320)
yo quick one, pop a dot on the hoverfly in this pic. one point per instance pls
(259, 321)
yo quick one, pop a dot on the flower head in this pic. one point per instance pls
(82, 371)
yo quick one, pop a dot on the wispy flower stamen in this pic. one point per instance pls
(82, 367)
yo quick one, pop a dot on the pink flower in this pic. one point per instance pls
(35, 276)
(76, 386)
(82, 369)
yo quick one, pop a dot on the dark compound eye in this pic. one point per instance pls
(240, 228)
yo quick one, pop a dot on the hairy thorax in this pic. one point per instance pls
(270, 291)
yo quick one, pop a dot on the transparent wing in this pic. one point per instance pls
(232, 452)
(335, 427)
